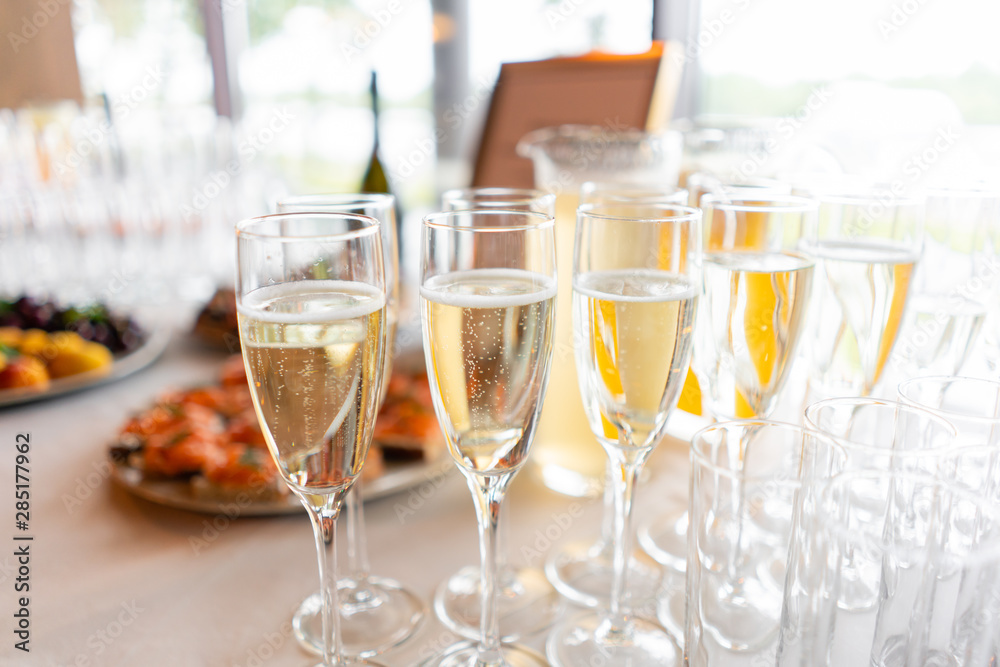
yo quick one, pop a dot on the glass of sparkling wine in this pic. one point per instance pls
(867, 246)
(311, 300)
(583, 571)
(526, 601)
(953, 288)
(757, 284)
(636, 280)
(488, 288)
(377, 612)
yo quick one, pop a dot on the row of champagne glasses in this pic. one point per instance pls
(627, 403)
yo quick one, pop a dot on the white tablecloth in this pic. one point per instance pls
(116, 580)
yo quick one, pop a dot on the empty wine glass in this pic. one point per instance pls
(311, 302)
(377, 612)
(636, 280)
(488, 288)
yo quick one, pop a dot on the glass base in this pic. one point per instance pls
(526, 602)
(350, 662)
(583, 573)
(665, 539)
(591, 639)
(466, 654)
(373, 618)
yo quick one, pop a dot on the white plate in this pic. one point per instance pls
(123, 366)
(179, 494)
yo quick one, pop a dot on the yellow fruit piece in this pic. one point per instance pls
(11, 336)
(79, 359)
(3, 361)
(34, 343)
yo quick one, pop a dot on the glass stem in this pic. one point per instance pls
(611, 473)
(357, 539)
(627, 467)
(488, 492)
(324, 520)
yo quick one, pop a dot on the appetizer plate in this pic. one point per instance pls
(180, 494)
(123, 366)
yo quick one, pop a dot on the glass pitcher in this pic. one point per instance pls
(566, 454)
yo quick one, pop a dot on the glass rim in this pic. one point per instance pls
(773, 202)
(688, 213)
(369, 227)
(341, 199)
(943, 380)
(849, 444)
(542, 220)
(703, 461)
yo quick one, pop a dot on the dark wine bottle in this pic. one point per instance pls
(375, 179)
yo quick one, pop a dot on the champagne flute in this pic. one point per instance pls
(636, 279)
(488, 287)
(583, 571)
(377, 613)
(526, 602)
(952, 287)
(868, 243)
(311, 303)
(758, 277)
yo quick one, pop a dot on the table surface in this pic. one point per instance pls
(116, 580)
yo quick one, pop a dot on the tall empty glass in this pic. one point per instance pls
(567, 459)
(736, 561)
(488, 287)
(933, 549)
(636, 279)
(310, 293)
(867, 246)
(377, 612)
(526, 603)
